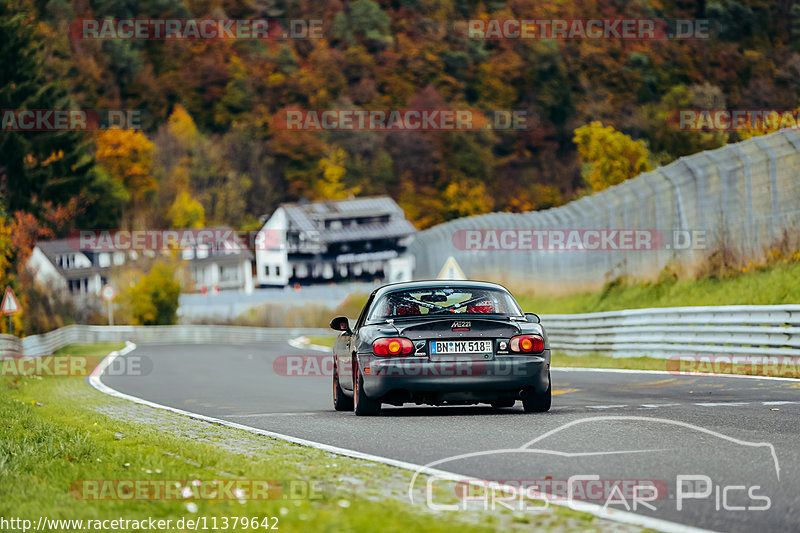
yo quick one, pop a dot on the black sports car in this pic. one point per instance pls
(441, 342)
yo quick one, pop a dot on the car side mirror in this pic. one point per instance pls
(340, 323)
(533, 317)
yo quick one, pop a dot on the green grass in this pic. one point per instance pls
(99, 349)
(778, 284)
(323, 341)
(58, 431)
(765, 286)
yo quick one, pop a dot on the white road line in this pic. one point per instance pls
(302, 343)
(605, 406)
(654, 405)
(616, 515)
(721, 404)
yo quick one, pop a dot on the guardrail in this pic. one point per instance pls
(47, 343)
(770, 330)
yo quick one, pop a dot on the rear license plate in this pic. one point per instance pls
(460, 347)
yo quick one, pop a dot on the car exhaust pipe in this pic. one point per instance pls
(523, 393)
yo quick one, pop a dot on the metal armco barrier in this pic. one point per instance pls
(664, 332)
(771, 330)
(49, 342)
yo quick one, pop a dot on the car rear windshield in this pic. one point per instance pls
(445, 301)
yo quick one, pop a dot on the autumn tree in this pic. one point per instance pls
(127, 155)
(187, 212)
(330, 183)
(151, 298)
(609, 156)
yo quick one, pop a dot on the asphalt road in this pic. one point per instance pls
(719, 427)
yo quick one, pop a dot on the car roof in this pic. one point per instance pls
(425, 284)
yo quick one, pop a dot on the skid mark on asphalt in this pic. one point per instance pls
(254, 415)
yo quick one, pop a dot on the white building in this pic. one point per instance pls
(63, 267)
(335, 240)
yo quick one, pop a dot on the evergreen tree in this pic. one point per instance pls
(35, 167)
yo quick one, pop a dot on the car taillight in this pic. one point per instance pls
(526, 344)
(392, 346)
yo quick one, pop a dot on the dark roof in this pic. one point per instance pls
(52, 249)
(351, 206)
(310, 218)
(394, 228)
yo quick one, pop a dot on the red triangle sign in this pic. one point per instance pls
(10, 303)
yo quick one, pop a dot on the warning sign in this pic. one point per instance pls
(10, 303)
(451, 270)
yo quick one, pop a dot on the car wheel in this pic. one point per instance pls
(538, 403)
(503, 402)
(363, 405)
(341, 402)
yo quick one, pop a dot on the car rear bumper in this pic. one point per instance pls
(504, 375)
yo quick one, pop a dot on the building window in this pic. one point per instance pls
(266, 270)
(277, 271)
(229, 273)
(66, 261)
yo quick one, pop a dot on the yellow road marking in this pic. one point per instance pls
(669, 382)
(564, 391)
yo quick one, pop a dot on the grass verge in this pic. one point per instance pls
(58, 434)
(770, 285)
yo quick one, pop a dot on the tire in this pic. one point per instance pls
(364, 406)
(503, 402)
(341, 402)
(538, 403)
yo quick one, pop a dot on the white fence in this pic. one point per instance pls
(764, 330)
(189, 334)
